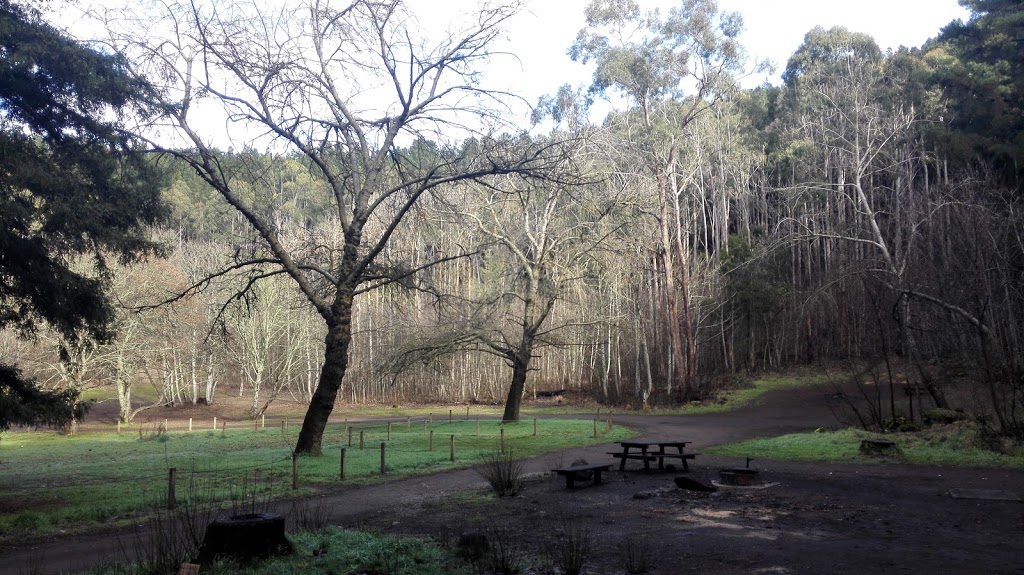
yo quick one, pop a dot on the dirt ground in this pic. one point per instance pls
(813, 518)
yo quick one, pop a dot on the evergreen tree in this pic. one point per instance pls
(70, 183)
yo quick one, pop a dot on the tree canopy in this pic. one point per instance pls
(70, 183)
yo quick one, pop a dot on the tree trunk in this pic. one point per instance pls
(520, 367)
(336, 344)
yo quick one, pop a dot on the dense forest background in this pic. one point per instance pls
(866, 212)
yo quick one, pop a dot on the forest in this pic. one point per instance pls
(389, 234)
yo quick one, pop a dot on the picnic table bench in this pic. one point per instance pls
(574, 472)
(648, 456)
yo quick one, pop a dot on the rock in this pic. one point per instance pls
(693, 485)
(585, 475)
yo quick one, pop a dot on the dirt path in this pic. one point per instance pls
(864, 495)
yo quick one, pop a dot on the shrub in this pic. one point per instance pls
(503, 473)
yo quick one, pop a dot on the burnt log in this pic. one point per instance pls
(244, 539)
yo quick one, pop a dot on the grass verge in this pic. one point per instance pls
(51, 483)
(952, 446)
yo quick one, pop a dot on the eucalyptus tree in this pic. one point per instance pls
(670, 69)
(343, 86)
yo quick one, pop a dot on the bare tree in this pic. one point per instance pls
(348, 88)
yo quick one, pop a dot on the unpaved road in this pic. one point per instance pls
(820, 518)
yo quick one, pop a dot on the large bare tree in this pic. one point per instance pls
(351, 88)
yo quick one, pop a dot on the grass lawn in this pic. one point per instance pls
(946, 447)
(50, 482)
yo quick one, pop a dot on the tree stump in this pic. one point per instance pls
(878, 447)
(244, 538)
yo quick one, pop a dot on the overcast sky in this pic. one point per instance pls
(773, 30)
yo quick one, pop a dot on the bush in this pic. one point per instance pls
(503, 473)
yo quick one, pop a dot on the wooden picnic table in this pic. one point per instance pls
(643, 450)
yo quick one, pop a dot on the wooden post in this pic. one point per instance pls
(431, 440)
(283, 424)
(449, 416)
(467, 413)
(451, 447)
(263, 421)
(170, 488)
(350, 436)
(535, 427)
(119, 427)
(360, 439)
(255, 425)
(389, 431)
(424, 424)
(190, 424)
(609, 425)
(342, 463)
(383, 448)
(478, 426)
(295, 471)
(408, 422)
(165, 426)
(595, 428)
(215, 424)
(501, 440)
(431, 417)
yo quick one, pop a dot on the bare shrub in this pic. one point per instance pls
(635, 551)
(505, 553)
(309, 515)
(503, 473)
(570, 547)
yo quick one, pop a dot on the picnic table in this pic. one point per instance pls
(644, 451)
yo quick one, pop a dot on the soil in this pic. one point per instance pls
(810, 518)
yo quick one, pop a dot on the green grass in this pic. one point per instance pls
(951, 447)
(339, 551)
(734, 399)
(50, 482)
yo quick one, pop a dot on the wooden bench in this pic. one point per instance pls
(659, 457)
(575, 472)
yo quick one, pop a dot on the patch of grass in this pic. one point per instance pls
(340, 551)
(51, 482)
(730, 400)
(953, 447)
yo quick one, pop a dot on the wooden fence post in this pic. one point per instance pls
(431, 440)
(595, 428)
(451, 445)
(467, 412)
(190, 424)
(350, 436)
(389, 431)
(449, 416)
(119, 427)
(171, 502)
(408, 422)
(215, 424)
(263, 421)
(295, 471)
(343, 463)
(383, 467)
(478, 426)
(535, 427)
(360, 439)
(501, 440)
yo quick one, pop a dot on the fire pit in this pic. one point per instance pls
(739, 476)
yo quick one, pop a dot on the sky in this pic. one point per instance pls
(540, 35)
(774, 29)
